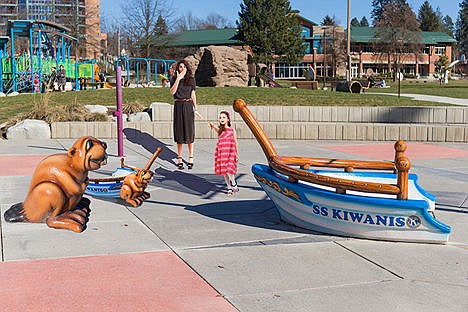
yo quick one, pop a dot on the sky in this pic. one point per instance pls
(314, 10)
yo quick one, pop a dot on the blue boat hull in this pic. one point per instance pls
(369, 216)
(108, 189)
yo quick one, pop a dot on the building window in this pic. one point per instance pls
(439, 50)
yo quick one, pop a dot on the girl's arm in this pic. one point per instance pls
(212, 126)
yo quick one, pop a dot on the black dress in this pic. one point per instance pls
(184, 118)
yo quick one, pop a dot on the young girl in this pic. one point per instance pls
(226, 153)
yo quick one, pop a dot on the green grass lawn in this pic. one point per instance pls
(455, 88)
(12, 106)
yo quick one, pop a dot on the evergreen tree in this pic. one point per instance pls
(160, 28)
(355, 22)
(462, 28)
(378, 4)
(429, 20)
(441, 68)
(364, 22)
(448, 25)
(329, 21)
(270, 28)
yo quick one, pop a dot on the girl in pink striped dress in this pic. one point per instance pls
(226, 153)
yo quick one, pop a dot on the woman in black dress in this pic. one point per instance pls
(185, 109)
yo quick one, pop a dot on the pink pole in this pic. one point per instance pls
(118, 112)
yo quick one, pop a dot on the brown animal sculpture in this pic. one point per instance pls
(57, 186)
(134, 185)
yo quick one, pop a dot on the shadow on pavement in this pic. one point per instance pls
(253, 213)
(150, 143)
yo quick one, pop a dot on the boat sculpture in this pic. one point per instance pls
(127, 182)
(377, 200)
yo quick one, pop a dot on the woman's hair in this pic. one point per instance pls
(189, 75)
(221, 127)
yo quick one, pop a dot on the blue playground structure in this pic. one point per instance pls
(144, 70)
(32, 48)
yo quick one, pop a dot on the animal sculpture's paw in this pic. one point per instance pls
(71, 220)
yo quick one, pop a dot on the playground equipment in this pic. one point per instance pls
(31, 48)
(370, 203)
(127, 182)
(48, 45)
(55, 194)
(150, 69)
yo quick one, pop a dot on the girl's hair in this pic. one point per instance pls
(221, 127)
(188, 76)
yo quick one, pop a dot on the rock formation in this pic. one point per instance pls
(220, 66)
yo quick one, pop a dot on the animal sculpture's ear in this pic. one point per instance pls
(89, 144)
(71, 151)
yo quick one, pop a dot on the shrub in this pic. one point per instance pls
(132, 107)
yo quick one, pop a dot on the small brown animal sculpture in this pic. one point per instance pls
(57, 186)
(134, 185)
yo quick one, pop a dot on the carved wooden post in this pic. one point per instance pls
(400, 149)
(240, 107)
(403, 165)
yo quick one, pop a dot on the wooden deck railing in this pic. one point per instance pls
(284, 164)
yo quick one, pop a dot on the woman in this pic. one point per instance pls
(61, 78)
(185, 108)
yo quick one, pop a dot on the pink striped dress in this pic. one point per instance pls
(225, 153)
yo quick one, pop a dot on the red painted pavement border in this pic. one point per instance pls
(14, 165)
(153, 281)
(386, 151)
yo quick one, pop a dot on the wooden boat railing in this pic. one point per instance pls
(283, 164)
(122, 165)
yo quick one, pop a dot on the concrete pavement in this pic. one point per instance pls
(192, 248)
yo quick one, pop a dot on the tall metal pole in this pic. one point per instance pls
(118, 41)
(348, 44)
(118, 113)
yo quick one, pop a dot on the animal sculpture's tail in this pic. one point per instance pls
(15, 213)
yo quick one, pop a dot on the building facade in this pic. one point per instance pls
(326, 51)
(366, 59)
(81, 16)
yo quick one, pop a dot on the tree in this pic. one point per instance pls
(429, 20)
(160, 28)
(141, 17)
(364, 22)
(462, 28)
(355, 22)
(377, 7)
(397, 33)
(329, 21)
(441, 68)
(216, 21)
(212, 21)
(271, 30)
(448, 25)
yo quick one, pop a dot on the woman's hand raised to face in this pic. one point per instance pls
(181, 75)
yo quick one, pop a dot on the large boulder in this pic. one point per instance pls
(29, 129)
(220, 66)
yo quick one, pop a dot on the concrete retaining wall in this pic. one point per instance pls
(426, 124)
